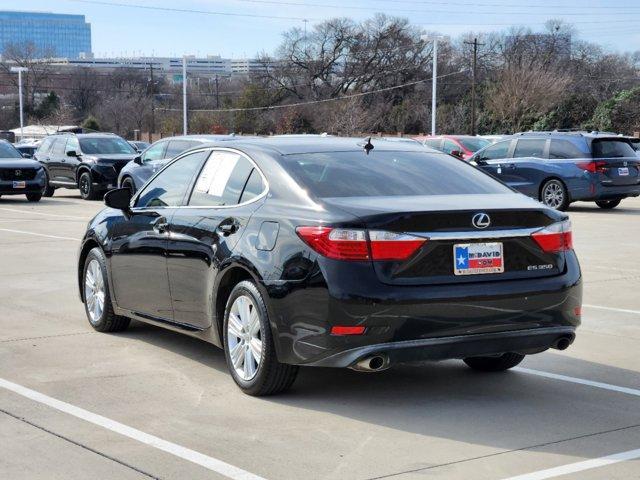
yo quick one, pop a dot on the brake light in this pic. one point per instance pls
(354, 245)
(555, 238)
(346, 330)
(594, 166)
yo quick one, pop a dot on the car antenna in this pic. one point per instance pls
(368, 146)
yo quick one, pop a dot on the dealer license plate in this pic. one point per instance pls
(478, 258)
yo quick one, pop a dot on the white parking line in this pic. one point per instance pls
(579, 466)
(621, 310)
(29, 212)
(192, 456)
(38, 234)
(581, 381)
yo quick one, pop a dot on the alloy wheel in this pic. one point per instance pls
(84, 185)
(244, 338)
(553, 195)
(94, 291)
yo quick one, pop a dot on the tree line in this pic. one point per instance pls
(347, 77)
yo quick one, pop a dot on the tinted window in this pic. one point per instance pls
(155, 152)
(178, 146)
(564, 149)
(473, 144)
(72, 145)
(8, 151)
(612, 149)
(449, 146)
(530, 148)
(222, 180)
(433, 143)
(497, 151)
(354, 174)
(58, 146)
(254, 187)
(169, 187)
(45, 145)
(105, 145)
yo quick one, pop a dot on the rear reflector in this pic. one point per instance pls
(355, 245)
(577, 311)
(344, 330)
(555, 238)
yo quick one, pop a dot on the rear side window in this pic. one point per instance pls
(497, 151)
(612, 149)
(433, 143)
(565, 149)
(58, 146)
(178, 146)
(170, 186)
(222, 180)
(45, 145)
(254, 187)
(530, 148)
(385, 173)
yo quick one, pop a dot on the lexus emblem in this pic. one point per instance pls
(18, 173)
(481, 220)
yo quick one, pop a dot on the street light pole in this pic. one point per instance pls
(19, 70)
(184, 94)
(434, 82)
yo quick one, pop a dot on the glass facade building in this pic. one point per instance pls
(56, 35)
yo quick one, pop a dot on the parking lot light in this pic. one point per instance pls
(19, 71)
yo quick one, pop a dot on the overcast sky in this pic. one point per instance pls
(122, 28)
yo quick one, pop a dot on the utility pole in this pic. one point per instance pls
(184, 94)
(19, 71)
(434, 82)
(153, 100)
(473, 83)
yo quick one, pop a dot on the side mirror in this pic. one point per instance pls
(72, 153)
(27, 155)
(138, 160)
(119, 198)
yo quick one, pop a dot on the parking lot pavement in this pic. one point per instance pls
(149, 403)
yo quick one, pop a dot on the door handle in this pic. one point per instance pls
(63, 160)
(160, 225)
(229, 226)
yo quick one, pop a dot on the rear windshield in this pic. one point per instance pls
(8, 151)
(385, 173)
(473, 144)
(101, 145)
(612, 149)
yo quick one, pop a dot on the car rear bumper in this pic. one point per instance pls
(455, 347)
(421, 322)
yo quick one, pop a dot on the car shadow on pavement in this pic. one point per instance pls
(602, 211)
(509, 410)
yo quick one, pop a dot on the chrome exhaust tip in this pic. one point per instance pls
(374, 363)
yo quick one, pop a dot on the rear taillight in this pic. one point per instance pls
(355, 245)
(555, 238)
(595, 166)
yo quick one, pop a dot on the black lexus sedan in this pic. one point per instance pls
(333, 252)
(19, 175)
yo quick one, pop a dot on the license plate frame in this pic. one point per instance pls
(623, 171)
(480, 258)
(19, 184)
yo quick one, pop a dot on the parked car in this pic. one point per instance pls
(144, 166)
(560, 168)
(493, 138)
(87, 161)
(18, 175)
(27, 149)
(333, 252)
(459, 146)
(138, 145)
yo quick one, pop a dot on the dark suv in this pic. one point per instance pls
(90, 162)
(558, 168)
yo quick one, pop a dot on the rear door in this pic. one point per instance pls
(619, 162)
(204, 234)
(57, 159)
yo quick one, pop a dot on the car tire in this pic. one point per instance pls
(128, 183)
(554, 195)
(96, 295)
(245, 313)
(608, 204)
(34, 197)
(495, 364)
(48, 190)
(87, 190)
